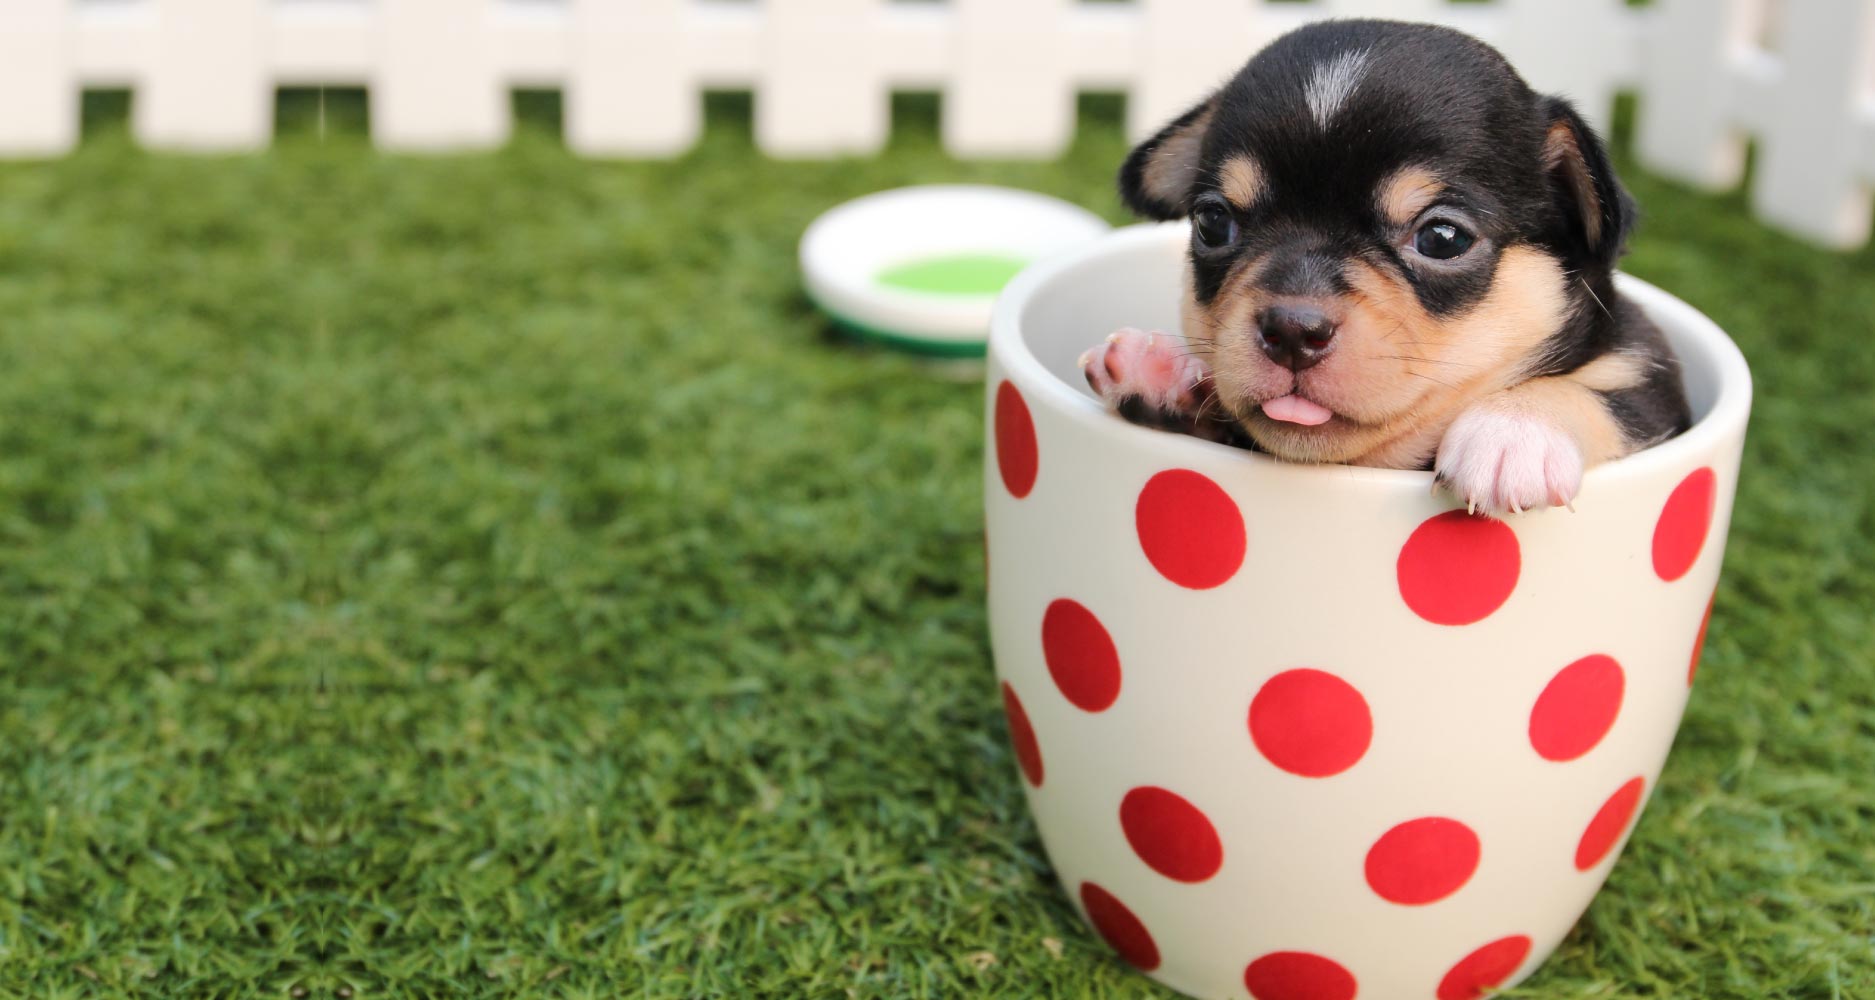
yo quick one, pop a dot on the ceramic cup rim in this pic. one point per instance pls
(1691, 331)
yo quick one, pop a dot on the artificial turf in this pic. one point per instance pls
(487, 576)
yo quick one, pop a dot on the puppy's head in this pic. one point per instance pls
(1385, 222)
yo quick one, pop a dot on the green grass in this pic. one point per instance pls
(486, 576)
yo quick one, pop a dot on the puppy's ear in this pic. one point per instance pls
(1157, 178)
(1582, 177)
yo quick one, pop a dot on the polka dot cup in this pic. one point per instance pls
(1308, 733)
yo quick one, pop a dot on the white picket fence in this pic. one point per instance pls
(1796, 76)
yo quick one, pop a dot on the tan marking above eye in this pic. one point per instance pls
(1408, 192)
(1241, 181)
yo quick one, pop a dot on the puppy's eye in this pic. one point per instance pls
(1215, 227)
(1442, 240)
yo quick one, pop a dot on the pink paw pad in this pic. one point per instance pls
(1158, 372)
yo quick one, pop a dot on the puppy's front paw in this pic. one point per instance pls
(1501, 461)
(1150, 378)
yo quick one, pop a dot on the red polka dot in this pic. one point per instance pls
(1298, 975)
(1022, 737)
(1080, 656)
(1422, 861)
(1170, 834)
(1311, 723)
(1456, 569)
(1609, 823)
(1699, 641)
(1684, 523)
(1121, 929)
(1577, 708)
(1190, 529)
(1016, 454)
(1485, 969)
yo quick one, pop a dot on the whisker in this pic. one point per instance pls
(1598, 299)
(1410, 359)
(1435, 381)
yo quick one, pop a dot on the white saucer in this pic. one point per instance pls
(920, 267)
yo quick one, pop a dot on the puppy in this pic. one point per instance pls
(1401, 257)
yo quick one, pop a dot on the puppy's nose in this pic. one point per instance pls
(1295, 336)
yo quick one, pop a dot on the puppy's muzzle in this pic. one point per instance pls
(1296, 335)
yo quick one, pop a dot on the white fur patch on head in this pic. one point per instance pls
(1334, 79)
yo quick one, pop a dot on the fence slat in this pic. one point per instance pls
(1865, 133)
(1188, 48)
(1010, 92)
(821, 91)
(435, 87)
(1806, 178)
(1548, 42)
(631, 90)
(205, 87)
(41, 103)
(1686, 129)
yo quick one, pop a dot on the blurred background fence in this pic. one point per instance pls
(1795, 77)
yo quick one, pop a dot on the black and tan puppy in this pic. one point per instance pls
(1403, 257)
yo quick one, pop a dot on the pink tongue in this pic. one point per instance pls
(1294, 409)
